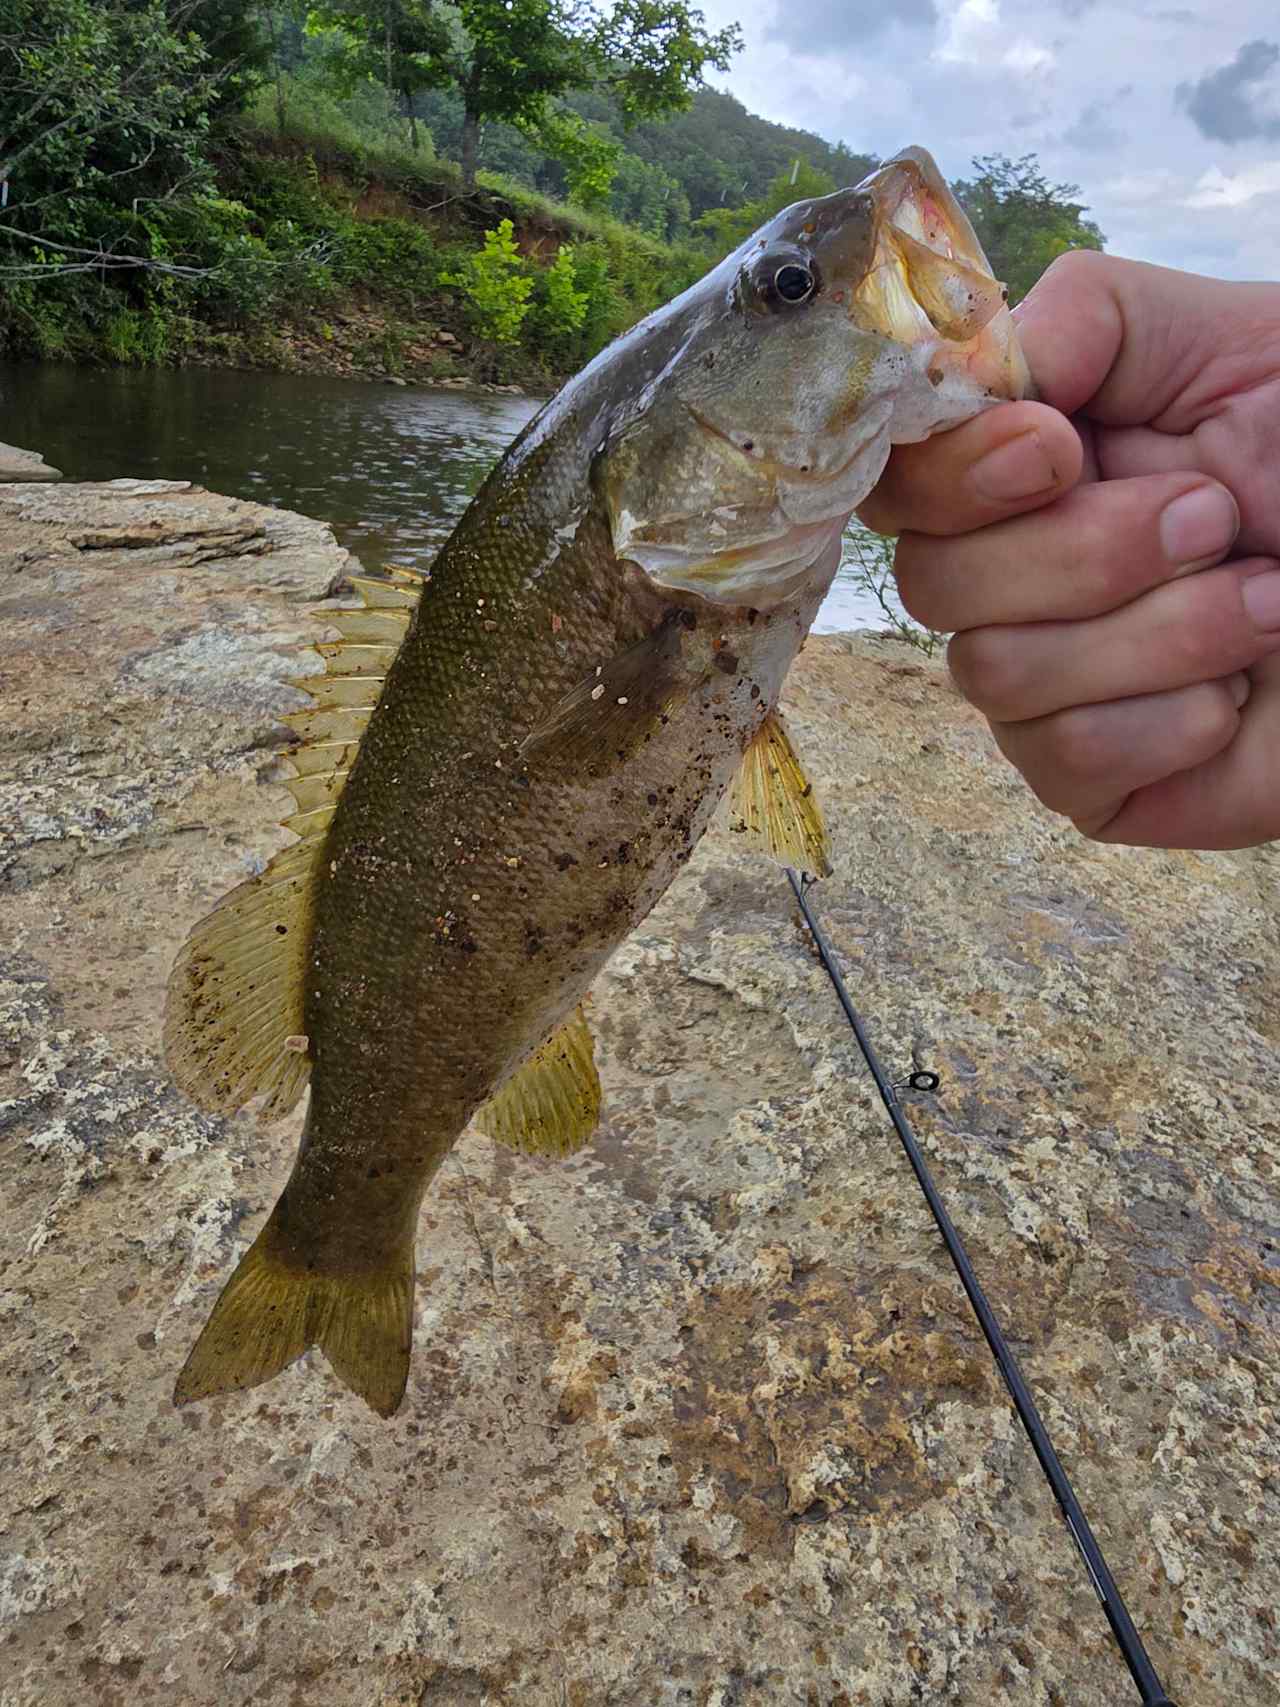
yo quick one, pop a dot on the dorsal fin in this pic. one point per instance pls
(773, 805)
(233, 1019)
(550, 1104)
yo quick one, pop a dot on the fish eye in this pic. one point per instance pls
(794, 282)
(780, 277)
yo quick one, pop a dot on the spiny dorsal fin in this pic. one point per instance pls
(550, 1105)
(233, 1025)
(772, 803)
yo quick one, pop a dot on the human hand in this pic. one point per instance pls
(1114, 578)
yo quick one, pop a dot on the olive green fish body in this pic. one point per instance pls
(505, 769)
(472, 896)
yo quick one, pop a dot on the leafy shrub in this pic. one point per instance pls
(136, 337)
(396, 257)
(558, 309)
(496, 286)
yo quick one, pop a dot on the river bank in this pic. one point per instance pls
(698, 1416)
(390, 468)
(367, 344)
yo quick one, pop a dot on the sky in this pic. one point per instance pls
(1166, 116)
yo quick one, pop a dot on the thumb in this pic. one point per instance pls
(1124, 340)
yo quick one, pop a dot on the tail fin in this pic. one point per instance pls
(271, 1310)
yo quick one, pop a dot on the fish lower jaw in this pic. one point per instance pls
(950, 383)
(794, 568)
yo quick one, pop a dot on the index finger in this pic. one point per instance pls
(1013, 458)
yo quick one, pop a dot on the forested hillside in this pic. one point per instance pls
(484, 188)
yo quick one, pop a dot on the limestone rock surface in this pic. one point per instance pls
(19, 464)
(700, 1416)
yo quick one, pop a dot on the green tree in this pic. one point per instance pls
(729, 226)
(407, 43)
(105, 107)
(512, 59)
(587, 155)
(1022, 220)
(238, 44)
(496, 285)
(721, 155)
(649, 197)
(560, 307)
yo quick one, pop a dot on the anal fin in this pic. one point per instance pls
(550, 1105)
(773, 805)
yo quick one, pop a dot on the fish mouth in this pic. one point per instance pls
(928, 281)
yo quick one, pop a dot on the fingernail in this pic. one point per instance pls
(1239, 684)
(1018, 469)
(1261, 595)
(1199, 526)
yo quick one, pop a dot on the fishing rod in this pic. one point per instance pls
(1127, 1638)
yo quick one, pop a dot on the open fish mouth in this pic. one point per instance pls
(928, 281)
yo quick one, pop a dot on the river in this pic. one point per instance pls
(390, 467)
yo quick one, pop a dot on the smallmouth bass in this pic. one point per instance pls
(504, 769)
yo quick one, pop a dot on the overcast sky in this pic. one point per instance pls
(1167, 116)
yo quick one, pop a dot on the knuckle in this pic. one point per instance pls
(1211, 719)
(1072, 762)
(1075, 265)
(1060, 760)
(916, 571)
(1200, 637)
(1069, 745)
(1111, 565)
(985, 665)
(1114, 550)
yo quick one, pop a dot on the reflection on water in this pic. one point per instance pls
(390, 467)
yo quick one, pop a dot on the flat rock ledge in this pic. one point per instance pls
(17, 464)
(699, 1417)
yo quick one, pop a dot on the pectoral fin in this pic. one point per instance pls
(550, 1105)
(617, 708)
(773, 805)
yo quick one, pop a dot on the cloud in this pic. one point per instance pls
(1153, 189)
(973, 34)
(967, 36)
(817, 26)
(1027, 56)
(966, 79)
(1217, 189)
(1224, 106)
(1093, 132)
